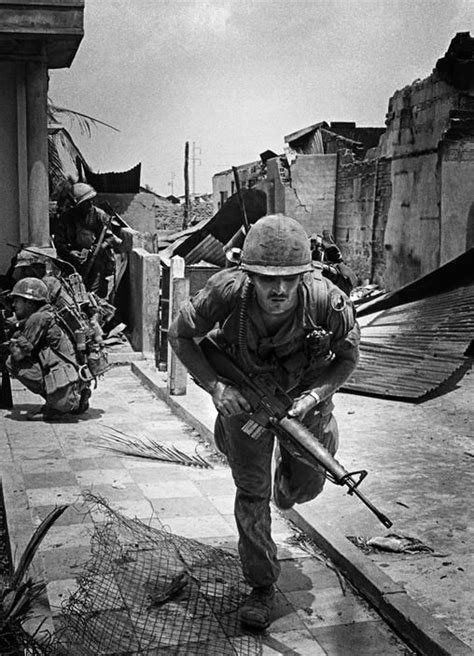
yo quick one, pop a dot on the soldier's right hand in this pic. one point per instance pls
(80, 256)
(229, 401)
(16, 352)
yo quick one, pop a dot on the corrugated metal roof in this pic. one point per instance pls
(210, 250)
(124, 182)
(206, 240)
(410, 350)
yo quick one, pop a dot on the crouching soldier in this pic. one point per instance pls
(42, 356)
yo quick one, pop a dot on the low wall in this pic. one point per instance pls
(144, 298)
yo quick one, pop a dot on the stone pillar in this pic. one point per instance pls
(37, 153)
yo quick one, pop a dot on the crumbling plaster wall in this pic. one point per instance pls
(311, 197)
(355, 210)
(457, 198)
(417, 117)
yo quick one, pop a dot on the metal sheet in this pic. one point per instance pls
(410, 350)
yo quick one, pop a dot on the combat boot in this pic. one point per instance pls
(256, 609)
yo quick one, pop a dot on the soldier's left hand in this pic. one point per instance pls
(301, 406)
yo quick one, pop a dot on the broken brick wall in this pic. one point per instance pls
(355, 207)
(308, 194)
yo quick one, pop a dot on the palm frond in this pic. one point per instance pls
(18, 604)
(84, 121)
(32, 546)
(120, 442)
(56, 170)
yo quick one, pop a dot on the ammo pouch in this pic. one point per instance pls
(59, 376)
(98, 361)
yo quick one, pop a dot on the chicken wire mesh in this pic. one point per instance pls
(146, 591)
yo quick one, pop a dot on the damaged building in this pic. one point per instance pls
(398, 199)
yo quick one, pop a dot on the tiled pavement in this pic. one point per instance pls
(45, 464)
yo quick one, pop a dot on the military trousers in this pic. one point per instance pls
(250, 461)
(31, 375)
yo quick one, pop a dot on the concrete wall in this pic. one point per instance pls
(412, 235)
(457, 199)
(9, 210)
(382, 205)
(310, 199)
(144, 299)
(417, 118)
(223, 183)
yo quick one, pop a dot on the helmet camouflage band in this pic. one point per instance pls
(32, 289)
(276, 245)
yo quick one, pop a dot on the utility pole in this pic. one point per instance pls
(171, 183)
(186, 212)
(195, 160)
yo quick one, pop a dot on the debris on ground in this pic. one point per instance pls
(119, 442)
(146, 590)
(390, 542)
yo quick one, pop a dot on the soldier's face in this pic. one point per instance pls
(22, 307)
(276, 294)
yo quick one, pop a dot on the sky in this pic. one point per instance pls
(233, 77)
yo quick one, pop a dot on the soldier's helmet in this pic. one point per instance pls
(80, 192)
(276, 245)
(27, 258)
(32, 289)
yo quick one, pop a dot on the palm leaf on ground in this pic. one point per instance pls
(120, 442)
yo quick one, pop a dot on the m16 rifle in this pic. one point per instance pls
(270, 404)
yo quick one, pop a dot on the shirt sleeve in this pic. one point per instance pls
(208, 307)
(199, 315)
(34, 332)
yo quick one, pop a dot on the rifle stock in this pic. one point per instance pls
(270, 405)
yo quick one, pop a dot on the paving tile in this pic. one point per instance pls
(169, 489)
(225, 542)
(216, 486)
(199, 527)
(182, 507)
(49, 479)
(287, 549)
(73, 535)
(224, 503)
(217, 473)
(45, 466)
(66, 563)
(37, 453)
(53, 495)
(367, 638)
(306, 574)
(284, 617)
(113, 477)
(114, 494)
(329, 607)
(160, 472)
(73, 515)
(139, 508)
(59, 592)
(292, 643)
(99, 462)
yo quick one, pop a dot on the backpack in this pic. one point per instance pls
(77, 312)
